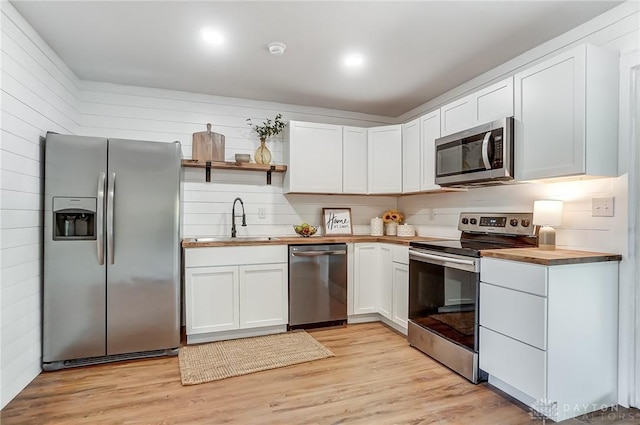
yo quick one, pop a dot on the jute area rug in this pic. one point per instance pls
(224, 359)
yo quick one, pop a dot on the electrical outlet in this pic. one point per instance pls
(262, 214)
(602, 207)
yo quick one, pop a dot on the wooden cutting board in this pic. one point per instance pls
(208, 146)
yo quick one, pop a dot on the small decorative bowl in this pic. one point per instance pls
(305, 230)
(243, 157)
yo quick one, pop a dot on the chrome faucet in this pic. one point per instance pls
(233, 217)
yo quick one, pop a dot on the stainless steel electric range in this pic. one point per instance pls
(444, 281)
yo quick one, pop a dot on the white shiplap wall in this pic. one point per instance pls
(164, 115)
(38, 94)
(438, 214)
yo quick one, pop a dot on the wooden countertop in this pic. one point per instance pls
(299, 240)
(549, 258)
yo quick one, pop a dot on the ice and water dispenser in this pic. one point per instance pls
(74, 218)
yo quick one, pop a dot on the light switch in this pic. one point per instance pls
(262, 214)
(602, 207)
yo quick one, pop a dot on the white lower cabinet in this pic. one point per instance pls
(548, 334)
(212, 299)
(385, 273)
(365, 278)
(263, 295)
(234, 292)
(381, 284)
(400, 294)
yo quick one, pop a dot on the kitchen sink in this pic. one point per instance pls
(236, 239)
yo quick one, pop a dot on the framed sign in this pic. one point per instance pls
(337, 221)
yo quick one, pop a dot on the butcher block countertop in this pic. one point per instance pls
(549, 258)
(299, 240)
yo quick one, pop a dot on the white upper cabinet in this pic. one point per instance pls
(411, 156)
(313, 154)
(566, 112)
(385, 159)
(354, 160)
(486, 105)
(430, 131)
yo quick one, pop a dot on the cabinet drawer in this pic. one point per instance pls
(516, 314)
(235, 255)
(524, 277)
(517, 364)
(400, 254)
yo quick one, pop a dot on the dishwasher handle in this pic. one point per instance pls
(319, 253)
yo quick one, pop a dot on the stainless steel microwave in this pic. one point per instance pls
(481, 155)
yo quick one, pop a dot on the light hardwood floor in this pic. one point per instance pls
(375, 378)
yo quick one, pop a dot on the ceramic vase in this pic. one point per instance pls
(391, 229)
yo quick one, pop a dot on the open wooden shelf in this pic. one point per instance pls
(226, 165)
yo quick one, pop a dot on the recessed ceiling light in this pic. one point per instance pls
(212, 36)
(354, 60)
(276, 47)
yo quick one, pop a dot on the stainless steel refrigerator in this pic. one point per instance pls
(111, 286)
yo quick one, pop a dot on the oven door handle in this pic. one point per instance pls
(440, 260)
(485, 150)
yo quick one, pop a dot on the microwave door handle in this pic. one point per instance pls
(485, 150)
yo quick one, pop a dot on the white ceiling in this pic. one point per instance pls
(414, 50)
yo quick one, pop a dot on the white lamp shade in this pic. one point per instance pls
(547, 213)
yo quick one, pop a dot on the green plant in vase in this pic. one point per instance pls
(267, 129)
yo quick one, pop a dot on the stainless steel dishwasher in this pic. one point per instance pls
(317, 285)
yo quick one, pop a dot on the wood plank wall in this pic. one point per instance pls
(38, 95)
(164, 115)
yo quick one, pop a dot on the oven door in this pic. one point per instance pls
(443, 295)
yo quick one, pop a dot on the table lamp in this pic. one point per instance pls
(547, 213)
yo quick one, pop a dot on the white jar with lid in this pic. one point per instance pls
(377, 226)
(406, 230)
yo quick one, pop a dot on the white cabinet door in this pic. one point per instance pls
(549, 130)
(385, 267)
(385, 159)
(486, 105)
(494, 102)
(401, 294)
(566, 115)
(457, 116)
(313, 153)
(211, 299)
(354, 160)
(263, 295)
(411, 156)
(430, 131)
(365, 279)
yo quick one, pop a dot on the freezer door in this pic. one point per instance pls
(74, 292)
(142, 219)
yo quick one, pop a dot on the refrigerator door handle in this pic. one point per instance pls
(100, 219)
(110, 196)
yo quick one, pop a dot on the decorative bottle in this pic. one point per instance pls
(263, 154)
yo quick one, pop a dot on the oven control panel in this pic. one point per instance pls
(498, 223)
